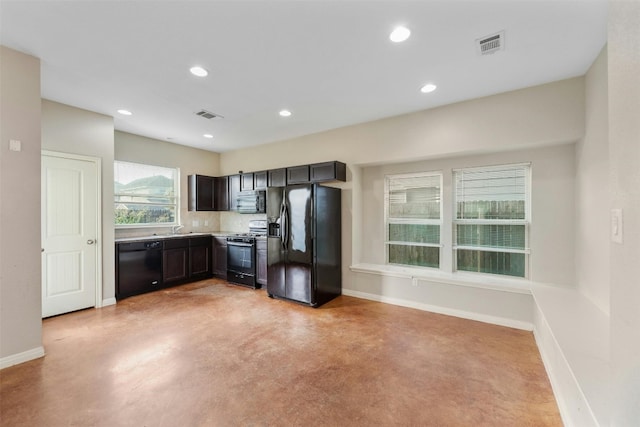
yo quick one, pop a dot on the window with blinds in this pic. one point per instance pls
(491, 224)
(413, 219)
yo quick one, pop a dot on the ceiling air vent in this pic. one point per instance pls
(208, 114)
(490, 44)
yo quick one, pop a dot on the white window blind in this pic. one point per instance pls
(413, 217)
(492, 219)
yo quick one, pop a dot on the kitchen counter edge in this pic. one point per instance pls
(174, 236)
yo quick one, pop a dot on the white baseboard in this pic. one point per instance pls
(108, 301)
(572, 404)
(25, 356)
(511, 323)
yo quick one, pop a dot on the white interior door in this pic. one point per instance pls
(70, 215)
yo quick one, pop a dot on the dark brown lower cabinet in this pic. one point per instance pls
(175, 260)
(220, 257)
(200, 265)
(261, 258)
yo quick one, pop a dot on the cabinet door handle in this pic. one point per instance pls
(90, 242)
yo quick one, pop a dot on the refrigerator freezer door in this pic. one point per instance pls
(276, 267)
(275, 249)
(274, 202)
(299, 243)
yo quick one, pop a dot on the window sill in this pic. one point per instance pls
(522, 286)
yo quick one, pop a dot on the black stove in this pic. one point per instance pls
(241, 254)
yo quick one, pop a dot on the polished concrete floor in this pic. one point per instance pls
(214, 354)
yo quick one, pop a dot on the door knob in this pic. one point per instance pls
(90, 242)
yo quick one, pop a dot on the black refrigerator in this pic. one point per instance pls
(304, 261)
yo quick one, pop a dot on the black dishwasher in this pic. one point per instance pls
(138, 267)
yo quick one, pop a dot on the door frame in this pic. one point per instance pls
(98, 163)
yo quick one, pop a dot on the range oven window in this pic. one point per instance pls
(241, 257)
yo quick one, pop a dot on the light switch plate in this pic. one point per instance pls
(15, 145)
(195, 223)
(616, 226)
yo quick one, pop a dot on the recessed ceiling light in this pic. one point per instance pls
(125, 112)
(429, 87)
(208, 135)
(399, 34)
(198, 71)
(285, 113)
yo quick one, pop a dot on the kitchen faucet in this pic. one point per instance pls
(175, 228)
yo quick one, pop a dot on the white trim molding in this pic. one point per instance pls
(572, 335)
(500, 321)
(25, 356)
(108, 301)
(98, 188)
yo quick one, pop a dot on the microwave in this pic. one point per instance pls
(251, 202)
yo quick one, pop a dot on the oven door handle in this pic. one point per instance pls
(247, 245)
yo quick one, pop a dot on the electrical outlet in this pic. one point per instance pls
(206, 223)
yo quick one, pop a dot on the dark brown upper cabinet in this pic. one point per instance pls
(221, 193)
(298, 174)
(277, 177)
(234, 189)
(328, 171)
(208, 193)
(260, 180)
(201, 193)
(246, 181)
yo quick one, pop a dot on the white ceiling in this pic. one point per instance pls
(330, 62)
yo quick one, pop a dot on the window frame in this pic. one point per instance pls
(388, 221)
(526, 222)
(175, 204)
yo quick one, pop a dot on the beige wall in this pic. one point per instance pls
(72, 130)
(552, 187)
(139, 149)
(528, 118)
(624, 158)
(20, 271)
(541, 116)
(592, 190)
(547, 114)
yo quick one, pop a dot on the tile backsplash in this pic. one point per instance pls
(198, 222)
(233, 221)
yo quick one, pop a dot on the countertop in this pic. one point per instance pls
(177, 236)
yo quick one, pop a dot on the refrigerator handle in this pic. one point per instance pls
(283, 225)
(286, 227)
